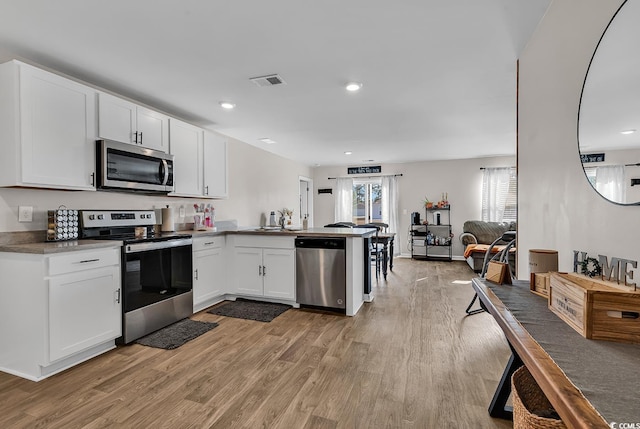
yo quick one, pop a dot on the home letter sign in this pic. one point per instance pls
(619, 270)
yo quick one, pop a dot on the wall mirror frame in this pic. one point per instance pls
(609, 110)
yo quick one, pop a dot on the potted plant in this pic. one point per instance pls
(427, 204)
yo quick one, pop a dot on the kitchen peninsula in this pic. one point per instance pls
(281, 241)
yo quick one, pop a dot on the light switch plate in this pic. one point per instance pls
(25, 214)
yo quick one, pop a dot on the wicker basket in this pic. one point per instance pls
(531, 408)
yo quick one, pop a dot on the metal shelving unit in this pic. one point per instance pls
(433, 241)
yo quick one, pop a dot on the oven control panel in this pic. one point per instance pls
(109, 218)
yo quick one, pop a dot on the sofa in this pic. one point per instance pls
(477, 235)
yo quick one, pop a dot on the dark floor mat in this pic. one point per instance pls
(252, 310)
(173, 336)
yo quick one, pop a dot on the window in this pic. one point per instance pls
(500, 195)
(367, 202)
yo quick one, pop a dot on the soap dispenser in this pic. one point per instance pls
(272, 219)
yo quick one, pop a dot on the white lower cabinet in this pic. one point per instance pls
(279, 273)
(248, 277)
(265, 267)
(209, 271)
(84, 310)
(58, 310)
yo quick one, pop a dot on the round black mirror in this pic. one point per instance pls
(609, 114)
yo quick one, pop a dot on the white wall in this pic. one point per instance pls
(558, 209)
(461, 179)
(258, 182)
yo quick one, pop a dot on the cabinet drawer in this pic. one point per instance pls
(83, 260)
(209, 242)
(242, 240)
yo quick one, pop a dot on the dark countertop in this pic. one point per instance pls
(47, 248)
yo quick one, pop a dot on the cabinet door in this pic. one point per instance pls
(153, 129)
(247, 269)
(215, 166)
(209, 276)
(58, 131)
(116, 119)
(185, 142)
(279, 273)
(84, 310)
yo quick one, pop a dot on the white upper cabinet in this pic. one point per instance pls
(200, 164)
(215, 166)
(186, 146)
(126, 122)
(47, 129)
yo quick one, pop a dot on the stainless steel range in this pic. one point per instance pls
(157, 279)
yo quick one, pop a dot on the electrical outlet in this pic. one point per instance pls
(25, 214)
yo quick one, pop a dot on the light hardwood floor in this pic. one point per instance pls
(410, 359)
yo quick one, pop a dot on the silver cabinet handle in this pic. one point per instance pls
(93, 179)
(209, 243)
(264, 270)
(118, 296)
(196, 272)
(259, 270)
(135, 138)
(206, 190)
(140, 137)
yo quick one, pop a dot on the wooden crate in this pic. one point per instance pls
(540, 283)
(595, 310)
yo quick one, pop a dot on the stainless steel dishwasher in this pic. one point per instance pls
(321, 274)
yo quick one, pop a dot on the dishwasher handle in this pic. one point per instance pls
(320, 243)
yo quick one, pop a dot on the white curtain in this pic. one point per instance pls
(390, 205)
(344, 200)
(495, 188)
(610, 182)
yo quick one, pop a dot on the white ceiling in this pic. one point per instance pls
(438, 76)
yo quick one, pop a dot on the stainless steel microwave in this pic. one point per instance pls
(133, 168)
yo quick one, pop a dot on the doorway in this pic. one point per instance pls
(306, 200)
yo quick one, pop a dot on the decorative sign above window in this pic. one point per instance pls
(592, 157)
(325, 191)
(370, 169)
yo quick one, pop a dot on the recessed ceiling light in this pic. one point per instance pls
(353, 86)
(627, 132)
(227, 105)
(348, 152)
(267, 140)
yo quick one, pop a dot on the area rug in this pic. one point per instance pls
(252, 310)
(173, 336)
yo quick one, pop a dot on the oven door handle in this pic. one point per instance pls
(157, 245)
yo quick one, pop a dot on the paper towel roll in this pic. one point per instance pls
(167, 220)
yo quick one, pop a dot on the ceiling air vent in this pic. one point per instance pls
(269, 80)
